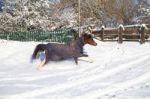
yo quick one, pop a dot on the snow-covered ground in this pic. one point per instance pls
(119, 71)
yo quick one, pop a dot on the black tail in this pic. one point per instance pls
(38, 48)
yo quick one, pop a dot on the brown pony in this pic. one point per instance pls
(56, 52)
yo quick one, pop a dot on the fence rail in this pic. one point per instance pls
(139, 33)
(61, 35)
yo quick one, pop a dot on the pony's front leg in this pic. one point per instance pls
(87, 59)
(90, 59)
(83, 55)
(76, 60)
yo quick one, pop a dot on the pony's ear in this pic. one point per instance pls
(89, 35)
(84, 34)
(75, 34)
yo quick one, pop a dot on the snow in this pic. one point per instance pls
(119, 71)
(144, 25)
(121, 26)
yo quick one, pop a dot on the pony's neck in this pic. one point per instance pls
(80, 44)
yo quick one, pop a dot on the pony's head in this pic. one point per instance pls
(88, 39)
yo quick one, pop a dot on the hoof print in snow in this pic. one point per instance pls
(147, 85)
(113, 95)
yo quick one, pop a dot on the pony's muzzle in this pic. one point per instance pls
(95, 44)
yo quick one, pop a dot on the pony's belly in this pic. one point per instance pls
(56, 58)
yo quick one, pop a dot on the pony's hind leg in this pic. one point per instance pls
(45, 61)
(41, 64)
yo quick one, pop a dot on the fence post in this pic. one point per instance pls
(8, 36)
(142, 34)
(121, 28)
(102, 33)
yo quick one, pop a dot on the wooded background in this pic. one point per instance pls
(31, 15)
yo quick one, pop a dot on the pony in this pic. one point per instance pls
(57, 51)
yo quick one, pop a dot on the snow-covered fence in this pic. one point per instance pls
(148, 27)
(124, 33)
(60, 35)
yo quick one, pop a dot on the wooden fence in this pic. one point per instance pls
(139, 33)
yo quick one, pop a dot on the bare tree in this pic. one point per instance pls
(102, 10)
